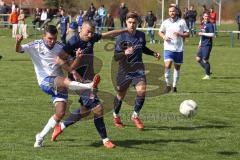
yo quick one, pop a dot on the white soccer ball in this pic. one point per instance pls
(188, 108)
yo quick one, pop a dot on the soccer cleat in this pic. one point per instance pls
(39, 141)
(96, 80)
(137, 122)
(167, 89)
(206, 77)
(109, 144)
(117, 122)
(174, 90)
(57, 131)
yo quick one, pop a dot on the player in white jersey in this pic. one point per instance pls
(173, 30)
(44, 55)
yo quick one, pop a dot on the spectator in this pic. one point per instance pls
(49, 18)
(238, 23)
(213, 19)
(22, 27)
(80, 19)
(13, 6)
(37, 18)
(13, 19)
(91, 12)
(97, 21)
(102, 12)
(109, 22)
(43, 17)
(186, 16)
(64, 25)
(192, 15)
(73, 30)
(150, 20)
(123, 10)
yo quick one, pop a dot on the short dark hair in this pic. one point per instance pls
(132, 14)
(51, 29)
(90, 23)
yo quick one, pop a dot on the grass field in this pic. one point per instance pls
(212, 134)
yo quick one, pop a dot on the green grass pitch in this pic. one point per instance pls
(214, 133)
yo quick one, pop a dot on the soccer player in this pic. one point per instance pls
(86, 40)
(128, 52)
(205, 45)
(44, 54)
(173, 30)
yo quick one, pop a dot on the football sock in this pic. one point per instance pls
(100, 126)
(167, 76)
(139, 103)
(176, 75)
(202, 64)
(207, 68)
(117, 105)
(73, 85)
(73, 118)
(51, 124)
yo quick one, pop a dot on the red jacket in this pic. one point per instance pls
(213, 17)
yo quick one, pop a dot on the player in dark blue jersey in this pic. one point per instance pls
(128, 52)
(64, 25)
(89, 102)
(205, 44)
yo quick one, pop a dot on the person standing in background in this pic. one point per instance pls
(22, 27)
(213, 19)
(150, 20)
(123, 10)
(192, 17)
(238, 23)
(13, 19)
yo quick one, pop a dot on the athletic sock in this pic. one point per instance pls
(168, 76)
(207, 68)
(72, 118)
(51, 124)
(100, 126)
(73, 85)
(139, 101)
(117, 105)
(176, 75)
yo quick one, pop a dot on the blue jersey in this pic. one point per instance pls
(131, 64)
(206, 28)
(64, 20)
(86, 69)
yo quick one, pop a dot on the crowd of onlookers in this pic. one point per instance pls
(100, 16)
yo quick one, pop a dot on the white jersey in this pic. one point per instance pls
(44, 59)
(168, 27)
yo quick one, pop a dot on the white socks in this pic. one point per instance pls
(168, 76)
(135, 114)
(51, 124)
(76, 86)
(62, 126)
(175, 77)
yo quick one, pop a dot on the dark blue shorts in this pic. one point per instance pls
(124, 81)
(88, 102)
(204, 52)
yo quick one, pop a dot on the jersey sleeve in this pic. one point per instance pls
(162, 28)
(97, 37)
(29, 47)
(210, 28)
(118, 45)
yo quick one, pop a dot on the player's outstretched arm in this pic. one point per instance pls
(114, 33)
(148, 51)
(18, 47)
